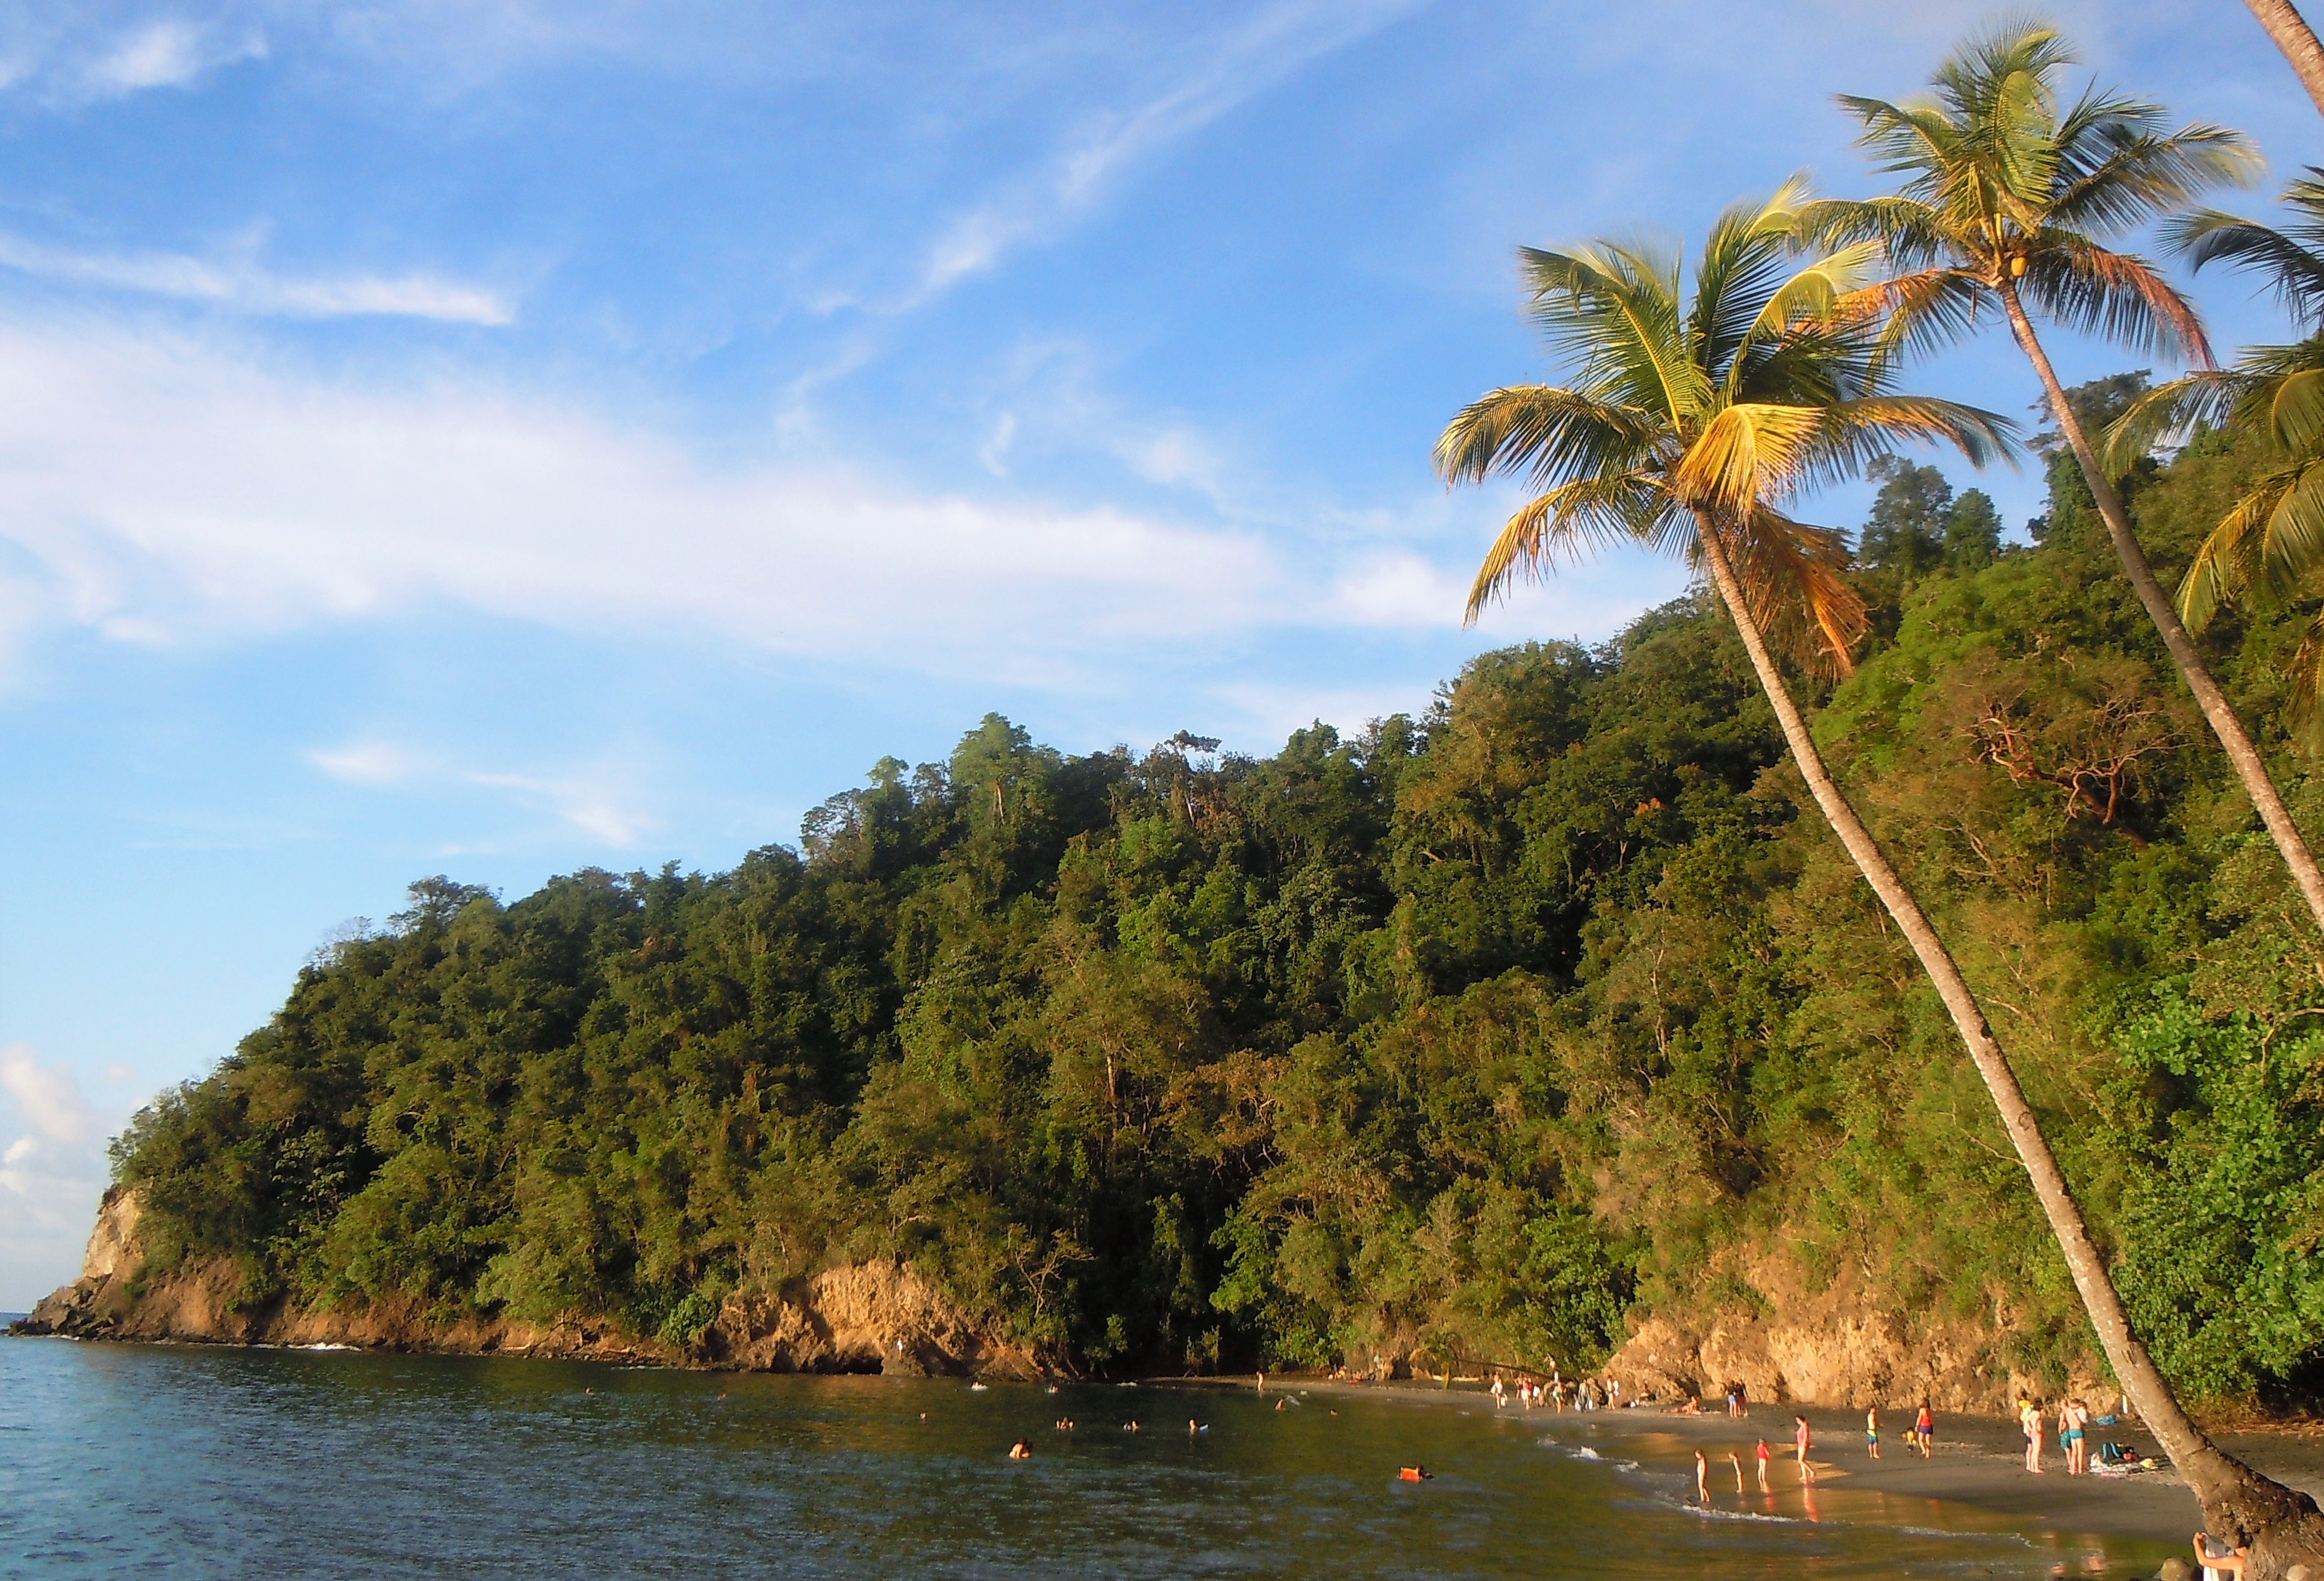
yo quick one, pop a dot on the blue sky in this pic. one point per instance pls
(493, 438)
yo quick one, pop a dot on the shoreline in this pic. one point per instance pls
(1977, 1468)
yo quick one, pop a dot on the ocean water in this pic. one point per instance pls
(189, 1461)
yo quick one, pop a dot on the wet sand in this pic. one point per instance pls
(1979, 1464)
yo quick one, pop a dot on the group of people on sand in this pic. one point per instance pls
(2073, 1419)
(1921, 1436)
(1585, 1393)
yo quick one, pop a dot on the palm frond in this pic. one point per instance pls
(1571, 521)
(2307, 686)
(1750, 452)
(2295, 272)
(1796, 588)
(2114, 296)
(1548, 433)
(2142, 174)
(2170, 411)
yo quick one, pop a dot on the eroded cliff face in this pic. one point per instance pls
(1821, 1344)
(865, 1317)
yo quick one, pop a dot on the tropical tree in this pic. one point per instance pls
(2007, 190)
(2269, 547)
(2297, 40)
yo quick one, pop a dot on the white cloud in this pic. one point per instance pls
(49, 1098)
(163, 491)
(63, 56)
(52, 1173)
(169, 54)
(370, 763)
(244, 286)
(167, 491)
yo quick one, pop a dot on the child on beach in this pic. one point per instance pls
(2029, 1418)
(1925, 1430)
(1763, 1464)
(1733, 1461)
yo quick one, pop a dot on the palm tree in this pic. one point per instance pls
(2006, 193)
(2297, 40)
(2005, 196)
(2269, 547)
(1684, 428)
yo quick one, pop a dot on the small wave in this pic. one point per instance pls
(1587, 1453)
(328, 1344)
(1713, 1512)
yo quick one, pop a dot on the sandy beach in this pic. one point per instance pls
(1978, 1469)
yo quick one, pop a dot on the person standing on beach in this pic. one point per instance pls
(1702, 1477)
(1872, 1432)
(2029, 1417)
(1925, 1430)
(1803, 1440)
(2070, 1418)
(1764, 1454)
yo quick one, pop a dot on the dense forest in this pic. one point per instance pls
(1478, 1030)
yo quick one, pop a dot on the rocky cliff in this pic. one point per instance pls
(1818, 1343)
(879, 1317)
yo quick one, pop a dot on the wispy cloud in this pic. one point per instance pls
(63, 56)
(246, 286)
(168, 490)
(597, 805)
(371, 763)
(168, 53)
(52, 1173)
(1277, 43)
(49, 1097)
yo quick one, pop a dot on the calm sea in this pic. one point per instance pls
(136, 1460)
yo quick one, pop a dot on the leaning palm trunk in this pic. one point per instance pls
(2249, 766)
(2235, 1498)
(2297, 40)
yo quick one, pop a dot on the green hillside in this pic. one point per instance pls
(1479, 1030)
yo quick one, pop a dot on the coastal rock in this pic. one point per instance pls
(869, 1318)
(1825, 1344)
(879, 1317)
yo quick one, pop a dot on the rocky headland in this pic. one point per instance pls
(875, 1316)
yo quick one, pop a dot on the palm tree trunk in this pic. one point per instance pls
(2297, 40)
(2235, 1499)
(2250, 767)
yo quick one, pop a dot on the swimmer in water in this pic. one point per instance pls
(1130, 1427)
(1020, 1450)
(1065, 1425)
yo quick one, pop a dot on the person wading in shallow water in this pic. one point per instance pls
(1702, 1477)
(1763, 1456)
(1803, 1440)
